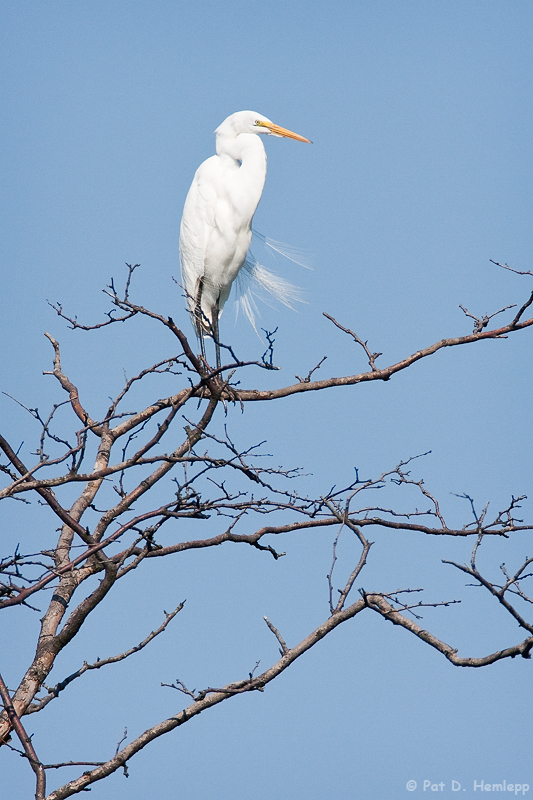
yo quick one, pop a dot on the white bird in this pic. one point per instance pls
(216, 225)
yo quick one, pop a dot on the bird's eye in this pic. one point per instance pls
(257, 122)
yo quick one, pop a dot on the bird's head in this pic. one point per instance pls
(251, 122)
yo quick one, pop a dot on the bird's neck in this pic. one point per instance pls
(244, 157)
(246, 150)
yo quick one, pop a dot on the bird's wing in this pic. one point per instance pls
(197, 223)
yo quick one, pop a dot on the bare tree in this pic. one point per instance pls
(170, 461)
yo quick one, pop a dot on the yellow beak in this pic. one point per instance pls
(276, 130)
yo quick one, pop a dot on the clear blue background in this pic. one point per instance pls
(419, 173)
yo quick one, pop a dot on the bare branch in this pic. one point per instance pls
(481, 322)
(381, 374)
(308, 376)
(497, 592)
(383, 607)
(54, 691)
(25, 741)
(210, 697)
(371, 356)
(283, 647)
(114, 482)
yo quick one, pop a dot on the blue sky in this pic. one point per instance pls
(420, 172)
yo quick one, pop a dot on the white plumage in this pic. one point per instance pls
(216, 225)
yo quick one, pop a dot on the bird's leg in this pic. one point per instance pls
(214, 326)
(198, 307)
(202, 345)
(198, 314)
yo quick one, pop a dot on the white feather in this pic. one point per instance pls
(256, 282)
(297, 256)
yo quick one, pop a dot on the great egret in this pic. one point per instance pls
(216, 224)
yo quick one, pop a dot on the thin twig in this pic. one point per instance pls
(283, 647)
